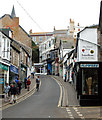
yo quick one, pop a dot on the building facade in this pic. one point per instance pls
(4, 60)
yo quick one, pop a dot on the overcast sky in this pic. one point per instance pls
(50, 13)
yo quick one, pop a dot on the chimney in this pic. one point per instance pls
(30, 31)
(16, 21)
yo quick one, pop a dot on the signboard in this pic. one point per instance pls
(89, 65)
(14, 69)
(4, 67)
(88, 52)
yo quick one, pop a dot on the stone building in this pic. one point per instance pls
(40, 37)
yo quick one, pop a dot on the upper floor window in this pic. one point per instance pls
(40, 38)
(34, 39)
(4, 47)
(8, 48)
(13, 56)
(18, 59)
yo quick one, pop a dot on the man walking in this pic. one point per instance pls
(37, 83)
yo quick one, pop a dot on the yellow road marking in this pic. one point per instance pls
(60, 98)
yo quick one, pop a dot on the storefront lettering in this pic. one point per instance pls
(89, 65)
(4, 67)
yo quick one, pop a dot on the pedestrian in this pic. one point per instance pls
(25, 82)
(65, 78)
(37, 83)
(28, 83)
(19, 87)
(13, 91)
(6, 91)
(33, 74)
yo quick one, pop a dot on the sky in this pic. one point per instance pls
(43, 15)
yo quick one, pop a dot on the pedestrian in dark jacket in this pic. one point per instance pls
(28, 83)
(13, 90)
(25, 82)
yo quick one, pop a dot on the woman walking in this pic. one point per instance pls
(28, 83)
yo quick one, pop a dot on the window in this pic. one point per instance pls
(34, 39)
(18, 59)
(89, 81)
(8, 49)
(40, 38)
(13, 56)
(4, 47)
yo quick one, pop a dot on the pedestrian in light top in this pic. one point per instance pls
(6, 91)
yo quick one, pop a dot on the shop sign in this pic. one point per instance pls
(4, 67)
(14, 69)
(88, 52)
(89, 65)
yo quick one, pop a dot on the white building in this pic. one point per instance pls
(44, 52)
(4, 60)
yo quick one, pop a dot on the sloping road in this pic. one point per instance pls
(42, 104)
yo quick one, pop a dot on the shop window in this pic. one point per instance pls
(89, 81)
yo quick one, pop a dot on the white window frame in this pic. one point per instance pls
(34, 38)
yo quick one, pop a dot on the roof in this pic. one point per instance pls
(67, 45)
(61, 31)
(21, 45)
(24, 31)
(41, 33)
(91, 26)
(19, 25)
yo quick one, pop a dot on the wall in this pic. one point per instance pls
(87, 45)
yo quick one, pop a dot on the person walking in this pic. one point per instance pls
(28, 83)
(25, 82)
(13, 91)
(6, 91)
(19, 87)
(37, 83)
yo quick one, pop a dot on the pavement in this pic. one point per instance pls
(69, 94)
(24, 94)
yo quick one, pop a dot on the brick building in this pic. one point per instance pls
(18, 33)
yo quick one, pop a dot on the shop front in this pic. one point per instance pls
(23, 73)
(4, 76)
(14, 72)
(89, 83)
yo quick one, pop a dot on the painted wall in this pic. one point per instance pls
(87, 45)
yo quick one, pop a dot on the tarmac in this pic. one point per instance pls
(68, 97)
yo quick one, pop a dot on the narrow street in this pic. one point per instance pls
(44, 104)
